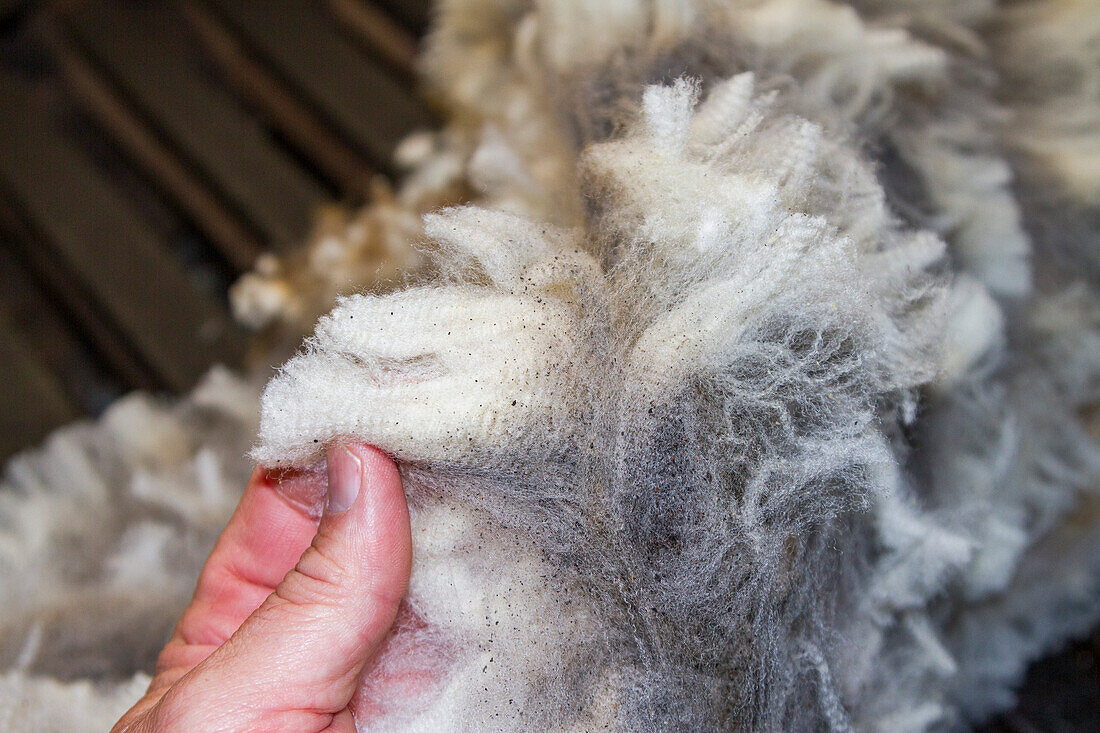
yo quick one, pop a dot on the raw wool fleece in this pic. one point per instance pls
(775, 460)
(701, 426)
(679, 406)
(103, 531)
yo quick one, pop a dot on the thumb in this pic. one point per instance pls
(301, 653)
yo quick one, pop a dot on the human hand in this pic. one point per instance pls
(289, 607)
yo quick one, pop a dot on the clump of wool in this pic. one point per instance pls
(711, 360)
(751, 382)
(679, 406)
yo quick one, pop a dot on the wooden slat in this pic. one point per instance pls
(43, 321)
(10, 7)
(414, 14)
(371, 108)
(143, 48)
(343, 165)
(34, 402)
(79, 305)
(101, 240)
(226, 230)
(378, 32)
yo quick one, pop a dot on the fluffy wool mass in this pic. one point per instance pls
(751, 386)
(680, 404)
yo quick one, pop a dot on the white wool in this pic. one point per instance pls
(749, 386)
(910, 76)
(1049, 54)
(45, 705)
(974, 332)
(103, 531)
(449, 366)
(554, 333)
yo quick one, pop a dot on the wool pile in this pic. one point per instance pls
(102, 533)
(746, 380)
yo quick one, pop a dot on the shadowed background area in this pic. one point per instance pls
(151, 151)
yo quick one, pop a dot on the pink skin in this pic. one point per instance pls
(291, 609)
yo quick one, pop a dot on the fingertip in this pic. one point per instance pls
(345, 478)
(329, 614)
(303, 488)
(377, 520)
(369, 466)
(375, 460)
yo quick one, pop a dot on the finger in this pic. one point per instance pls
(267, 534)
(274, 522)
(302, 652)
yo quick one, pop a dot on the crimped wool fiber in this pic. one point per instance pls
(747, 379)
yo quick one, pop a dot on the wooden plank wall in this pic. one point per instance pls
(149, 152)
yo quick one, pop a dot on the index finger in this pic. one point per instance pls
(272, 526)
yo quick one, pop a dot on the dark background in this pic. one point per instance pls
(150, 151)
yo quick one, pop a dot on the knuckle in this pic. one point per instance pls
(316, 579)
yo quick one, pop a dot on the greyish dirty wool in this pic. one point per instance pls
(750, 384)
